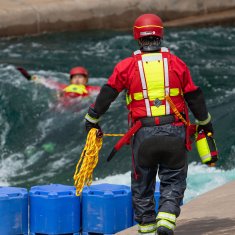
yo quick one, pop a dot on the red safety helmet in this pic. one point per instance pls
(146, 25)
(78, 70)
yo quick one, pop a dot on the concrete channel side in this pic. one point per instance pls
(21, 17)
(212, 213)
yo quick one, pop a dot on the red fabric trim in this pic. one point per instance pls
(214, 153)
(133, 165)
(201, 136)
(157, 120)
(126, 138)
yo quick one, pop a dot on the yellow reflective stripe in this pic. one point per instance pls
(167, 216)
(79, 89)
(147, 228)
(166, 224)
(128, 99)
(146, 26)
(174, 91)
(138, 96)
(154, 94)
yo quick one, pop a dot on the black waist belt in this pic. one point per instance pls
(160, 120)
(143, 122)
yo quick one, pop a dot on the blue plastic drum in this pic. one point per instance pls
(13, 211)
(54, 209)
(106, 209)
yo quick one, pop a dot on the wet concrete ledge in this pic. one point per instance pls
(20, 17)
(212, 213)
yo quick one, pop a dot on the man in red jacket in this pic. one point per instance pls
(151, 75)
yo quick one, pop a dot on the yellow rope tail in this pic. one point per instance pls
(175, 110)
(87, 161)
(113, 134)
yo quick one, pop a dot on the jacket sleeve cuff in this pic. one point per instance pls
(92, 116)
(91, 119)
(204, 122)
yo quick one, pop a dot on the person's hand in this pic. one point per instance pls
(37, 79)
(90, 125)
(208, 128)
(34, 77)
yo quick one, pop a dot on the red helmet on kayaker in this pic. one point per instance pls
(78, 70)
(148, 25)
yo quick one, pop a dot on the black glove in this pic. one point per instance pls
(208, 128)
(92, 119)
(90, 125)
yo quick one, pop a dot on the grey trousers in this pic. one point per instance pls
(158, 149)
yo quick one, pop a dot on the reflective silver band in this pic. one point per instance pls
(202, 123)
(137, 52)
(150, 58)
(166, 216)
(147, 228)
(144, 87)
(164, 49)
(91, 119)
(166, 224)
(167, 89)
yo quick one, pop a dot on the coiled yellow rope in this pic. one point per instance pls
(88, 160)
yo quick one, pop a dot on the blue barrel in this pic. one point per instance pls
(54, 209)
(13, 211)
(106, 209)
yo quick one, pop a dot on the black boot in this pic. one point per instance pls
(164, 231)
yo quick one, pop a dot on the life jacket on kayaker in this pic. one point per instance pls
(78, 84)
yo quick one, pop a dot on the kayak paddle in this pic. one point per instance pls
(25, 73)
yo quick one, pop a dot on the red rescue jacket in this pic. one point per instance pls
(148, 78)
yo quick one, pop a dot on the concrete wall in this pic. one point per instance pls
(20, 17)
